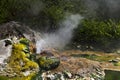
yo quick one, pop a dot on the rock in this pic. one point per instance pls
(48, 63)
(8, 42)
(11, 29)
(5, 51)
(114, 60)
(26, 73)
(19, 60)
(46, 53)
(75, 69)
(62, 76)
(67, 74)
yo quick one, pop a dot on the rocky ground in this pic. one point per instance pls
(109, 61)
(21, 62)
(87, 63)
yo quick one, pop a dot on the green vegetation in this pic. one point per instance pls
(34, 13)
(96, 57)
(101, 34)
(100, 27)
(112, 75)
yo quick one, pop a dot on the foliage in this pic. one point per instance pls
(24, 41)
(45, 15)
(117, 64)
(35, 13)
(100, 33)
(112, 75)
(10, 8)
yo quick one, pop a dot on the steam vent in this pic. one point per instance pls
(19, 60)
(59, 39)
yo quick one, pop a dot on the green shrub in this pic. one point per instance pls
(38, 14)
(98, 33)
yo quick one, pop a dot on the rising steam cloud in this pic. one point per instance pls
(109, 8)
(61, 37)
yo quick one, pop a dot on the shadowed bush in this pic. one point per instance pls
(99, 34)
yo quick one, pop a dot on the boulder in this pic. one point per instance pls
(5, 51)
(48, 63)
(11, 29)
(19, 60)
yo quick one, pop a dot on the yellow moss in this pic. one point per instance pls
(30, 64)
(19, 61)
(19, 46)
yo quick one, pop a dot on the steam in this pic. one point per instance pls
(61, 37)
(109, 8)
(36, 6)
(113, 5)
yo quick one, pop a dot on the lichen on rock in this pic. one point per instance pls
(48, 63)
(19, 60)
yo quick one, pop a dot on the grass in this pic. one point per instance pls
(101, 57)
